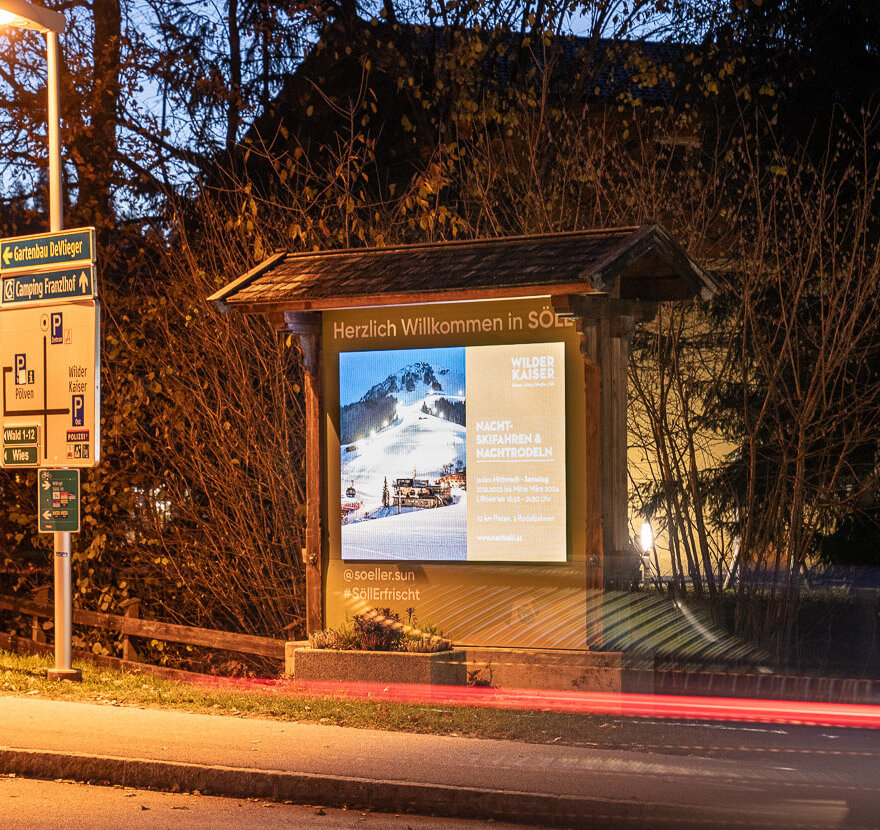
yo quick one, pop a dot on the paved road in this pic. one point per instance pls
(48, 805)
(713, 774)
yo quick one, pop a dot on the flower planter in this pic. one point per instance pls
(443, 667)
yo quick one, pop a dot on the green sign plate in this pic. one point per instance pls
(21, 446)
(58, 501)
(21, 456)
(19, 435)
(49, 286)
(59, 249)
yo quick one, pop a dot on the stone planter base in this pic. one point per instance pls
(444, 668)
(583, 671)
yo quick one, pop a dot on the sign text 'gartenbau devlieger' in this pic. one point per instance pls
(51, 249)
(58, 249)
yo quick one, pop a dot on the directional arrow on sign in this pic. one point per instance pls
(84, 283)
(47, 515)
(7, 256)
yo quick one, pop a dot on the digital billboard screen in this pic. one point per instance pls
(453, 454)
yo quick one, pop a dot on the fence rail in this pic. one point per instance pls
(131, 625)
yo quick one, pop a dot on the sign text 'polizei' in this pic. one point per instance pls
(49, 286)
(48, 250)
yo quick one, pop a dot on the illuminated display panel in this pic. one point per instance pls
(453, 454)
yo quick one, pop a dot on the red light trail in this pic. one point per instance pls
(863, 716)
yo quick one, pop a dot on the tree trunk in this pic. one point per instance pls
(97, 150)
(233, 109)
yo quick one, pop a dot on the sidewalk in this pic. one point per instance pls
(393, 772)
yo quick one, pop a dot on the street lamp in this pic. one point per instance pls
(25, 16)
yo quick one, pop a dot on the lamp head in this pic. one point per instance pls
(23, 15)
(647, 536)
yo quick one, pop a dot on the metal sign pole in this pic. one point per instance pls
(63, 612)
(56, 214)
(52, 23)
(63, 587)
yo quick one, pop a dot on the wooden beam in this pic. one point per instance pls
(302, 322)
(377, 300)
(601, 306)
(220, 296)
(613, 321)
(310, 349)
(294, 322)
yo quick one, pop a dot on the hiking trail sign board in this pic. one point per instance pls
(58, 501)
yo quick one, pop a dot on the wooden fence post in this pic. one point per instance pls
(41, 597)
(132, 611)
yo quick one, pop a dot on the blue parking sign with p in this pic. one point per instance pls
(23, 375)
(78, 410)
(57, 327)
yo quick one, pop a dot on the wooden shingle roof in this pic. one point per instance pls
(642, 263)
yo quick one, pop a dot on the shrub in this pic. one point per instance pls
(382, 630)
(379, 630)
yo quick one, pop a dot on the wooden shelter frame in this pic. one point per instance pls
(623, 275)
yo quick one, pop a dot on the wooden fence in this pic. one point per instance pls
(129, 625)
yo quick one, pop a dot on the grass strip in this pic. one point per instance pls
(26, 675)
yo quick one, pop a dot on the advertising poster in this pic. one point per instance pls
(455, 462)
(453, 454)
(516, 446)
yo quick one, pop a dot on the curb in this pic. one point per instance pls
(338, 791)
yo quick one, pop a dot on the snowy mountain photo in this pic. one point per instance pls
(403, 454)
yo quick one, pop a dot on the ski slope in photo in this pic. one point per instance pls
(417, 443)
(436, 534)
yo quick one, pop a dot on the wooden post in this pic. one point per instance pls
(41, 597)
(605, 325)
(132, 611)
(612, 321)
(614, 339)
(306, 326)
(310, 345)
(593, 484)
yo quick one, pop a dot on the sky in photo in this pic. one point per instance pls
(360, 371)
